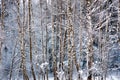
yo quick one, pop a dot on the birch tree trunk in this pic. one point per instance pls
(53, 53)
(30, 39)
(2, 27)
(90, 41)
(60, 36)
(21, 34)
(69, 30)
(46, 46)
(53, 44)
(2, 14)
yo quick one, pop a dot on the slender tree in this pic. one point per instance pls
(60, 36)
(22, 45)
(12, 63)
(2, 26)
(69, 33)
(30, 38)
(46, 45)
(53, 41)
(90, 41)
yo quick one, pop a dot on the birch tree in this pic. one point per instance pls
(53, 46)
(90, 41)
(69, 35)
(2, 16)
(22, 45)
(30, 38)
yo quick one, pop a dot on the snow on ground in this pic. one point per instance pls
(110, 77)
(113, 77)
